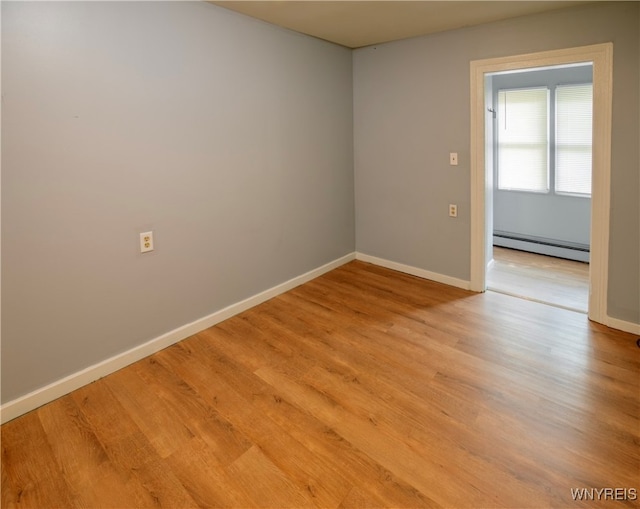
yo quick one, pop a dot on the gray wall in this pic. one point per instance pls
(411, 108)
(228, 137)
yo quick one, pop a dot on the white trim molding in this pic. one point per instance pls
(64, 386)
(601, 56)
(414, 271)
(616, 323)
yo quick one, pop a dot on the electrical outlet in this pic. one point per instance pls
(453, 210)
(146, 242)
(453, 158)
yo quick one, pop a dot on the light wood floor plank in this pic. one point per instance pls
(83, 461)
(362, 388)
(313, 476)
(31, 476)
(204, 478)
(543, 278)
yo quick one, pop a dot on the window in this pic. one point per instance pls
(574, 105)
(523, 139)
(536, 122)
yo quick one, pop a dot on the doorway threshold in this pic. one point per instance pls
(539, 301)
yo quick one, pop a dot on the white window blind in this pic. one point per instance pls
(574, 110)
(523, 139)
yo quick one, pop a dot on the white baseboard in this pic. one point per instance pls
(615, 323)
(59, 388)
(543, 249)
(414, 271)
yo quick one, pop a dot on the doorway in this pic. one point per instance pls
(540, 137)
(601, 57)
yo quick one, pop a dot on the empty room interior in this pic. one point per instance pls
(246, 249)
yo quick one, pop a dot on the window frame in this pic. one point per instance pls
(548, 141)
(552, 131)
(555, 143)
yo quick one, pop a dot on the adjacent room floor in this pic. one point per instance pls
(540, 278)
(362, 388)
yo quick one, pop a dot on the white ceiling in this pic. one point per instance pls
(362, 23)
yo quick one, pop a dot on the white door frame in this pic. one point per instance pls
(601, 55)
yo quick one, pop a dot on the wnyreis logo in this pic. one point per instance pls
(604, 494)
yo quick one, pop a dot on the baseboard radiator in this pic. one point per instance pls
(540, 245)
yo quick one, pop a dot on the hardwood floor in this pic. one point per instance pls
(362, 388)
(538, 277)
